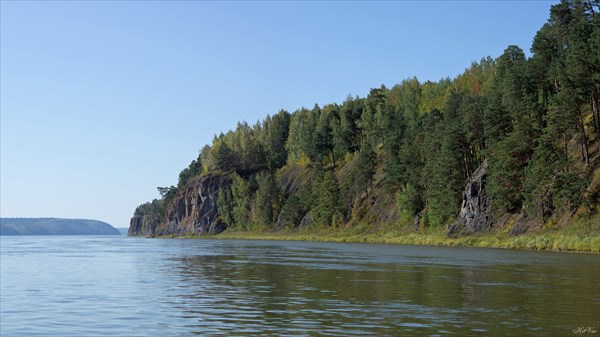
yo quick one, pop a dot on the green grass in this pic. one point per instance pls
(574, 240)
(581, 235)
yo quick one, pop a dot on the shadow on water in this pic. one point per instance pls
(269, 290)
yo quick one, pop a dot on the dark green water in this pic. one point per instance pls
(88, 286)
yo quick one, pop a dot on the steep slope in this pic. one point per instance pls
(192, 211)
(510, 146)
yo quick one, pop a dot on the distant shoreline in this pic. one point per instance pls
(54, 226)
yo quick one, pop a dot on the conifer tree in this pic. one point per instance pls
(267, 203)
(241, 193)
(328, 199)
(365, 168)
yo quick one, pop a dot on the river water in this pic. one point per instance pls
(119, 286)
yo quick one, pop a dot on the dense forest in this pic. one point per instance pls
(402, 155)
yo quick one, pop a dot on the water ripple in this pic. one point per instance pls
(81, 286)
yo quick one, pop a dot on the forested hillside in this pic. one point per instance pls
(54, 226)
(401, 156)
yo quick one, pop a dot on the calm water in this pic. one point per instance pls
(118, 286)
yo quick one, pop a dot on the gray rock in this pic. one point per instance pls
(143, 225)
(306, 221)
(194, 209)
(475, 213)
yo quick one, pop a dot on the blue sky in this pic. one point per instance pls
(101, 102)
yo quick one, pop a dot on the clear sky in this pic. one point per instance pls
(103, 101)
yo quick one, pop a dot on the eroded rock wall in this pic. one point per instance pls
(142, 226)
(194, 209)
(475, 214)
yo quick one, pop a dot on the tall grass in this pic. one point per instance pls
(578, 239)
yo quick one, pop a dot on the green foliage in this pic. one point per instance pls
(324, 142)
(545, 163)
(225, 204)
(267, 202)
(150, 209)
(300, 143)
(306, 197)
(275, 134)
(533, 119)
(567, 189)
(444, 172)
(151, 212)
(433, 95)
(194, 169)
(292, 211)
(223, 157)
(347, 133)
(507, 171)
(329, 207)
(241, 196)
(409, 203)
(167, 193)
(365, 168)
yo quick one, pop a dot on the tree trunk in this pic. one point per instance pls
(566, 144)
(466, 162)
(591, 8)
(595, 114)
(584, 146)
(543, 209)
(333, 158)
(545, 94)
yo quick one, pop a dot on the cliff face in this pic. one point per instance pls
(193, 210)
(475, 213)
(142, 225)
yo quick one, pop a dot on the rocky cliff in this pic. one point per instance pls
(193, 210)
(475, 213)
(143, 225)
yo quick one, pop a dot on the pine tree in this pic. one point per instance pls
(241, 193)
(328, 200)
(365, 168)
(267, 200)
(546, 161)
(299, 145)
(292, 211)
(275, 135)
(225, 205)
(445, 166)
(507, 170)
(323, 134)
(223, 157)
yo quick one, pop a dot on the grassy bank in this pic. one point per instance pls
(580, 240)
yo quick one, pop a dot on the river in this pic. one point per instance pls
(120, 286)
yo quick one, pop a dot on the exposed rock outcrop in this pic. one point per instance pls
(194, 209)
(143, 225)
(475, 212)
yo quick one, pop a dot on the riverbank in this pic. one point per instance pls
(551, 240)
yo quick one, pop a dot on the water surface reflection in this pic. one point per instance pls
(319, 290)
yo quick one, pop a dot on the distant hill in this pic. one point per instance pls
(54, 226)
(123, 230)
